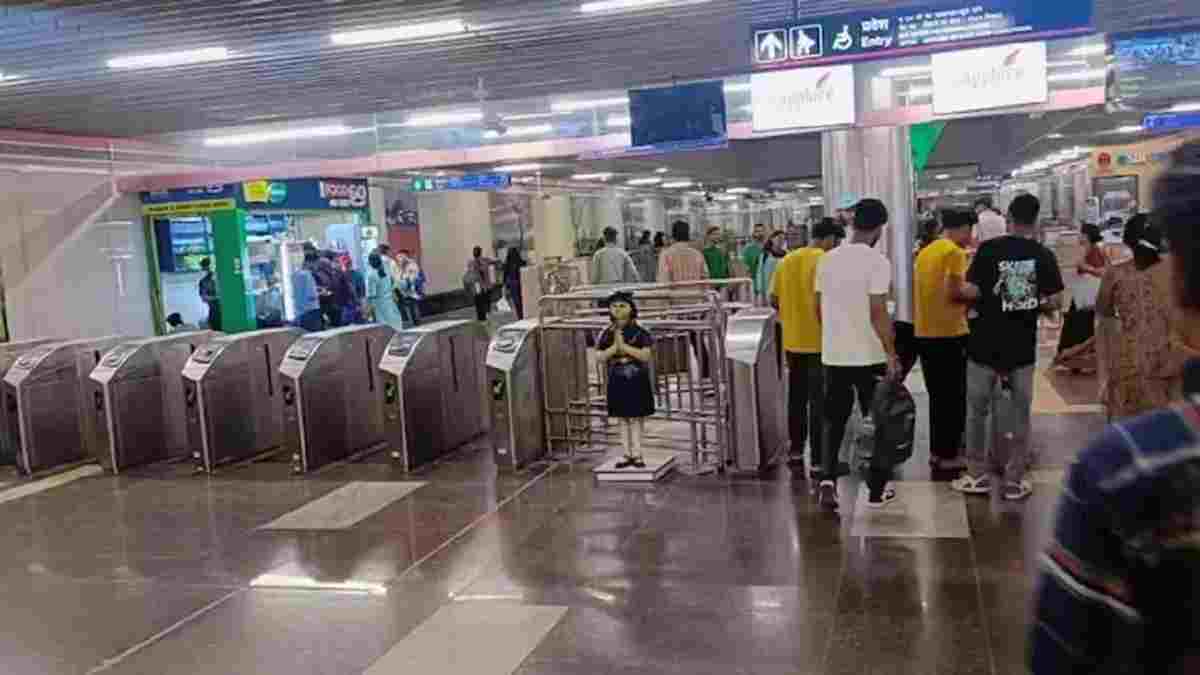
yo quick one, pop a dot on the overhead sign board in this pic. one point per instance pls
(802, 98)
(190, 207)
(990, 77)
(890, 33)
(470, 181)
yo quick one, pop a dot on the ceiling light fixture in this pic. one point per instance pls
(527, 116)
(918, 92)
(518, 168)
(804, 186)
(444, 119)
(1185, 106)
(576, 106)
(1055, 135)
(737, 190)
(604, 175)
(661, 169)
(620, 5)
(256, 138)
(1081, 76)
(678, 184)
(618, 121)
(416, 31)
(531, 130)
(1089, 50)
(735, 87)
(1128, 129)
(169, 59)
(644, 181)
(727, 198)
(1070, 63)
(942, 176)
(906, 71)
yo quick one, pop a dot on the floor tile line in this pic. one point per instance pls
(110, 663)
(983, 614)
(474, 523)
(837, 599)
(20, 491)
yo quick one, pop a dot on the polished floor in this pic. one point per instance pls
(461, 569)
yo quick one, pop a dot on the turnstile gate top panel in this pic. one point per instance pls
(220, 349)
(411, 344)
(129, 359)
(307, 352)
(11, 351)
(504, 347)
(54, 355)
(747, 333)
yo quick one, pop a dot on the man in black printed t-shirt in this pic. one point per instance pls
(1012, 278)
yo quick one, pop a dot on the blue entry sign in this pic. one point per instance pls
(1171, 121)
(892, 33)
(470, 181)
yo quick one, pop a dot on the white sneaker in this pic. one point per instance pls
(888, 496)
(968, 484)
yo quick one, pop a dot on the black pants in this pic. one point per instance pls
(515, 299)
(944, 364)
(331, 311)
(806, 403)
(906, 347)
(483, 303)
(214, 315)
(842, 385)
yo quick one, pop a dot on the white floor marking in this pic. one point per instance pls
(468, 638)
(923, 509)
(344, 507)
(49, 482)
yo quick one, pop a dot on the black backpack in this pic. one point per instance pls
(895, 416)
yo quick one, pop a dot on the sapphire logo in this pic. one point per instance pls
(1006, 73)
(808, 42)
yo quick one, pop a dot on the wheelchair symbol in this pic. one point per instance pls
(843, 40)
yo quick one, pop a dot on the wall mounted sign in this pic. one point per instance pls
(470, 181)
(188, 194)
(990, 77)
(190, 207)
(890, 33)
(802, 98)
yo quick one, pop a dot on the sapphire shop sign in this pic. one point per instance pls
(893, 33)
(802, 98)
(989, 77)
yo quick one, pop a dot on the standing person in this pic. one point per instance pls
(857, 342)
(941, 299)
(344, 305)
(304, 295)
(478, 282)
(990, 224)
(513, 263)
(645, 258)
(326, 278)
(1013, 279)
(379, 294)
(1120, 579)
(680, 261)
(1079, 325)
(793, 292)
(752, 255)
(716, 258)
(773, 252)
(660, 242)
(1137, 353)
(611, 264)
(411, 287)
(208, 294)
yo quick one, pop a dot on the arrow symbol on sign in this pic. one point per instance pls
(771, 47)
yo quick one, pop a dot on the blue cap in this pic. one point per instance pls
(848, 201)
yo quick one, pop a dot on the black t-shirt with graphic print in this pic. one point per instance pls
(1013, 275)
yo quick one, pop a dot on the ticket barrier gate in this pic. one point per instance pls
(45, 394)
(9, 353)
(136, 396)
(233, 396)
(433, 389)
(518, 432)
(757, 393)
(331, 407)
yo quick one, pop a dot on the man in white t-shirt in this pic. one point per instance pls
(857, 340)
(990, 224)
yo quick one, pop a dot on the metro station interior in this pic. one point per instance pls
(194, 480)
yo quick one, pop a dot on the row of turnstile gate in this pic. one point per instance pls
(315, 398)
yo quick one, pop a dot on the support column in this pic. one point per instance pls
(877, 162)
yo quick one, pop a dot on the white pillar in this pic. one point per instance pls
(553, 230)
(877, 162)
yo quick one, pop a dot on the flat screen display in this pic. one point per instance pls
(679, 117)
(1156, 66)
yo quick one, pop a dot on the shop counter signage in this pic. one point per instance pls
(189, 194)
(893, 33)
(303, 194)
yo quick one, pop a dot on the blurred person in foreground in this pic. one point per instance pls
(1120, 582)
(793, 292)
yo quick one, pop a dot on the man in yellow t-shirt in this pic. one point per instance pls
(941, 332)
(793, 293)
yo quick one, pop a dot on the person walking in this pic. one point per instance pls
(1013, 280)
(857, 342)
(513, 263)
(1138, 365)
(989, 224)
(940, 328)
(411, 287)
(209, 295)
(793, 293)
(1120, 578)
(305, 301)
(716, 258)
(1079, 324)
(612, 264)
(478, 282)
(773, 251)
(379, 294)
(645, 258)
(681, 262)
(752, 255)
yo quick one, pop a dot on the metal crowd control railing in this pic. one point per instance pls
(691, 377)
